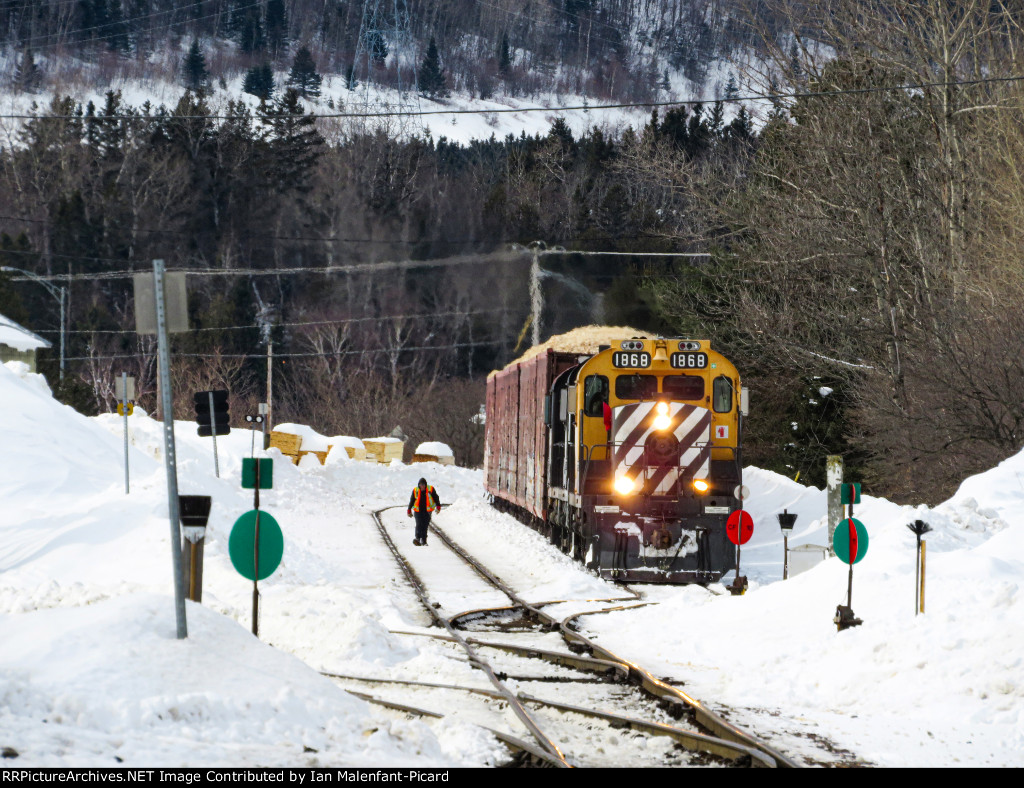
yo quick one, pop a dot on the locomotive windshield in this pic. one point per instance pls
(595, 393)
(722, 394)
(683, 386)
(636, 387)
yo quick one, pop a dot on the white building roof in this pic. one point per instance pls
(19, 337)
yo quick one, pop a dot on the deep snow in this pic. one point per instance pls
(91, 673)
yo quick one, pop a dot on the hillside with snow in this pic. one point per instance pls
(92, 675)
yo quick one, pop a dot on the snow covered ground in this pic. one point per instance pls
(91, 673)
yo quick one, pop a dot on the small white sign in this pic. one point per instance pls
(606, 509)
(722, 431)
(716, 510)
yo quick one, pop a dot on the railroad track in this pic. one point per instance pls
(548, 679)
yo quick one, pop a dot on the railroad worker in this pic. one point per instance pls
(423, 502)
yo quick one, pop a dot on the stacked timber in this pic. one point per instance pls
(352, 447)
(433, 451)
(288, 444)
(384, 449)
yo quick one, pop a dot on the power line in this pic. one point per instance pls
(348, 321)
(411, 348)
(567, 108)
(357, 268)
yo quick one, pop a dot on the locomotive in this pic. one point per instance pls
(628, 459)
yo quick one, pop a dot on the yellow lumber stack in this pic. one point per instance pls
(383, 449)
(433, 458)
(288, 444)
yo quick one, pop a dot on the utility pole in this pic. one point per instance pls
(536, 303)
(834, 485)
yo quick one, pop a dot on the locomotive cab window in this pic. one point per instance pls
(636, 387)
(721, 394)
(683, 387)
(595, 392)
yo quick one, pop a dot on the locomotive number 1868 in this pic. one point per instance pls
(689, 360)
(622, 359)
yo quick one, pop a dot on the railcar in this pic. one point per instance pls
(629, 459)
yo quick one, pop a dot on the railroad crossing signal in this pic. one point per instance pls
(215, 421)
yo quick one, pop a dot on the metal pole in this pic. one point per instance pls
(923, 551)
(164, 358)
(213, 425)
(256, 556)
(270, 387)
(785, 556)
(63, 320)
(834, 483)
(124, 409)
(916, 578)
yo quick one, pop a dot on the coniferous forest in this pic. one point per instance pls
(862, 224)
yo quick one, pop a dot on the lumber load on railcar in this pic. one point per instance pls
(623, 449)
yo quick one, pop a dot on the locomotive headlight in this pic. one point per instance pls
(701, 486)
(662, 421)
(624, 485)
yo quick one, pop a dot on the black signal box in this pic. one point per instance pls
(217, 421)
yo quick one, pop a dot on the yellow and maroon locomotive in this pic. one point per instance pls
(627, 458)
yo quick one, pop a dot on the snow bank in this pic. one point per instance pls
(435, 449)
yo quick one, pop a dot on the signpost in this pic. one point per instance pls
(161, 308)
(212, 418)
(786, 523)
(250, 419)
(919, 528)
(124, 390)
(850, 542)
(256, 543)
(739, 528)
(195, 511)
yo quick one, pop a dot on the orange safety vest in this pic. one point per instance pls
(417, 495)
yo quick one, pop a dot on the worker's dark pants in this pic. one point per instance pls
(422, 520)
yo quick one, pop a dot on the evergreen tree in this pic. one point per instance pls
(116, 31)
(303, 75)
(27, 76)
(249, 28)
(504, 56)
(432, 81)
(731, 90)
(276, 27)
(665, 85)
(193, 68)
(11, 305)
(351, 83)
(259, 82)
(294, 142)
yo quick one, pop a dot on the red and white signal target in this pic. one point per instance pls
(739, 527)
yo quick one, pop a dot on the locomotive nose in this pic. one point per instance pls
(662, 449)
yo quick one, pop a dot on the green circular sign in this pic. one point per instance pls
(850, 533)
(242, 544)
